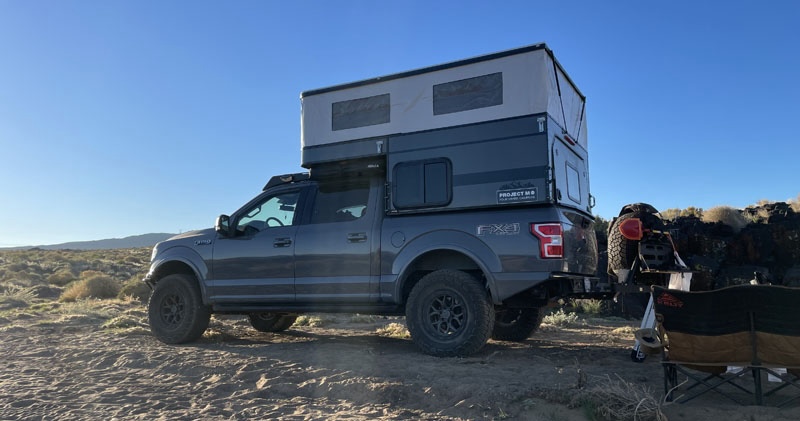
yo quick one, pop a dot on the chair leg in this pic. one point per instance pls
(757, 380)
(710, 383)
(787, 381)
(670, 381)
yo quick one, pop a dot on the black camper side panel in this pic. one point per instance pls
(501, 162)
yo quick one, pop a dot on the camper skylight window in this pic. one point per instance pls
(468, 94)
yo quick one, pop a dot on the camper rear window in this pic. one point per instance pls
(419, 184)
(468, 94)
(360, 112)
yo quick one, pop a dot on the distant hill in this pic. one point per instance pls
(143, 240)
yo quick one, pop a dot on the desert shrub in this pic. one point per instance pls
(561, 319)
(670, 214)
(795, 204)
(394, 330)
(61, 277)
(601, 227)
(96, 285)
(132, 321)
(726, 215)
(756, 215)
(14, 297)
(693, 211)
(310, 321)
(136, 288)
(593, 307)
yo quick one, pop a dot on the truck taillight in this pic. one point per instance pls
(551, 240)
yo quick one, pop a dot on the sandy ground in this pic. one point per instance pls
(60, 366)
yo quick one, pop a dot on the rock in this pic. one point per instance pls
(719, 257)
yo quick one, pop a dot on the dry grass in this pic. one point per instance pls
(726, 215)
(16, 297)
(91, 285)
(607, 398)
(133, 321)
(561, 318)
(310, 321)
(795, 204)
(394, 330)
(61, 278)
(136, 288)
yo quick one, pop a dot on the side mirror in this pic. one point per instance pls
(222, 225)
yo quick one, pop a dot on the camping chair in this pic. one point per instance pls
(777, 326)
(752, 327)
(703, 333)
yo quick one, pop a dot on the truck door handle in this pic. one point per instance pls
(282, 242)
(357, 237)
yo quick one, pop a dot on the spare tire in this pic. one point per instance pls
(621, 251)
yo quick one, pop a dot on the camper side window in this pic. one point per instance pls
(426, 183)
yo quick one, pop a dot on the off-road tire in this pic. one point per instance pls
(271, 322)
(621, 251)
(516, 324)
(449, 314)
(175, 311)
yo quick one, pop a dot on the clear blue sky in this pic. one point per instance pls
(127, 117)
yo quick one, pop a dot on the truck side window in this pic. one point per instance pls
(425, 183)
(340, 202)
(274, 211)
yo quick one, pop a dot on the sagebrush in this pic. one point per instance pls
(726, 215)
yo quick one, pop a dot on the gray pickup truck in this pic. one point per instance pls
(468, 225)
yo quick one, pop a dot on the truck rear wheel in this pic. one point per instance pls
(176, 312)
(449, 314)
(271, 322)
(516, 324)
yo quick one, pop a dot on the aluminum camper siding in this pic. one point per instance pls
(349, 121)
(503, 162)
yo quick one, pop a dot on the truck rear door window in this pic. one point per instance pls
(336, 202)
(424, 183)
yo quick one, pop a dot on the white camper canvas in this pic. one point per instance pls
(503, 85)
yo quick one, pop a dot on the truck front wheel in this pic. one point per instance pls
(271, 322)
(176, 312)
(516, 324)
(449, 314)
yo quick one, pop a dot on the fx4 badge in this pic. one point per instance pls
(202, 242)
(498, 229)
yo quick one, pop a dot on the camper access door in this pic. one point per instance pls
(570, 175)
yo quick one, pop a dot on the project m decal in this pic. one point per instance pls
(525, 194)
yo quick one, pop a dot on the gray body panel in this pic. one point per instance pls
(258, 268)
(365, 265)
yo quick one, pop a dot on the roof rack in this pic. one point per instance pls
(286, 179)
